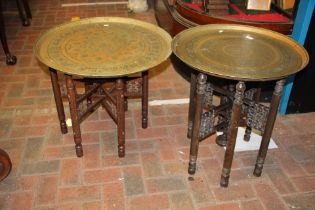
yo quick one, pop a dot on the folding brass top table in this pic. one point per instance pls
(236, 54)
(99, 50)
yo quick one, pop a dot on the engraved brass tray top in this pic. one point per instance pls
(239, 52)
(103, 47)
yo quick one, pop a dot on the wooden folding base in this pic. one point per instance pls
(111, 94)
(235, 114)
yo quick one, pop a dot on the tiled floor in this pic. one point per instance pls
(47, 174)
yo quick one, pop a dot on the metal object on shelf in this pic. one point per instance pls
(239, 52)
(103, 47)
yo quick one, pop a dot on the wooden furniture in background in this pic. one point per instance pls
(25, 15)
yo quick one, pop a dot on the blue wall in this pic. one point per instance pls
(301, 24)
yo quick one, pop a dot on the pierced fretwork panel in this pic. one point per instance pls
(215, 117)
(207, 126)
(134, 87)
(208, 97)
(257, 116)
(250, 94)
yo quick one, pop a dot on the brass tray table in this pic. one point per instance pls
(236, 54)
(103, 52)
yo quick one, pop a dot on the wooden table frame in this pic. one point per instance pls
(230, 125)
(113, 99)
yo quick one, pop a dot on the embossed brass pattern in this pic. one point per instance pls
(103, 47)
(239, 52)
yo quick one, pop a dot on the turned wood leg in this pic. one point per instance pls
(10, 59)
(126, 103)
(58, 100)
(5, 164)
(191, 113)
(87, 86)
(145, 99)
(273, 110)
(235, 118)
(74, 115)
(21, 8)
(120, 110)
(194, 143)
(248, 131)
(222, 139)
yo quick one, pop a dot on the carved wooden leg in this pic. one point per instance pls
(194, 143)
(145, 98)
(222, 139)
(191, 113)
(10, 59)
(24, 19)
(126, 103)
(58, 100)
(235, 118)
(5, 164)
(74, 116)
(120, 110)
(276, 96)
(248, 131)
(87, 87)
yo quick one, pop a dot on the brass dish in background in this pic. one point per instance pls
(103, 47)
(239, 52)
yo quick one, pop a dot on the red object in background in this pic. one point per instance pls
(266, 17)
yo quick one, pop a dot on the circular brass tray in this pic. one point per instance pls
(239, 52)
(103, 47)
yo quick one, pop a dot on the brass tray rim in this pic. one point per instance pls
(161, 32)
(300, 49)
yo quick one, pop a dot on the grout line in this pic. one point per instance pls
(92, 4)
(168, 102)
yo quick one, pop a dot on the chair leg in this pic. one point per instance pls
(10, 59)
(24, 19)
(194, 143)
(74, 116)
(58, 100)
(192, 103)
(235, 118)
(145, 98)
(120, 110)
(275, 100)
